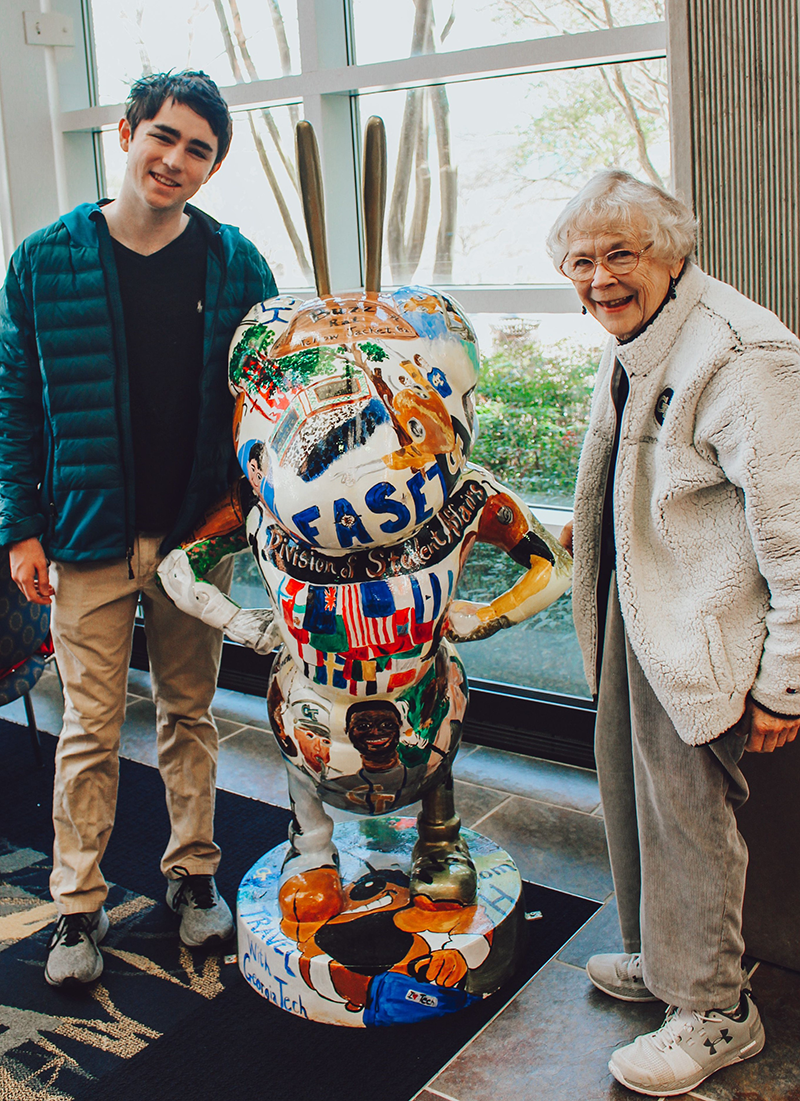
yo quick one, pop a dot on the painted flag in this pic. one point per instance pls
(326, 629)
(369, 611)
(333, 671)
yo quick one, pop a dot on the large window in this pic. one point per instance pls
(496, 111)
(386, 29)
(233, 42)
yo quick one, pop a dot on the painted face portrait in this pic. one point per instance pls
(255, 474)
(315, 747)
(374, 730)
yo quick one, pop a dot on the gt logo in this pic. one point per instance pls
(662, 404)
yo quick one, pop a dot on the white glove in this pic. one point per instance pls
(256, 628)
(252, 626)
(198, 598)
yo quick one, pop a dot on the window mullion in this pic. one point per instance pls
(324, 46)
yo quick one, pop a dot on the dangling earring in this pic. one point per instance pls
(673, 282)
(583, 309)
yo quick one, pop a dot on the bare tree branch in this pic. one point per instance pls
(636, 126)
(136, 23)
(283, 52)
(405, 249)
(252, 72)
(286, 216)
(294, 237)
(422, 200)
(410, 146)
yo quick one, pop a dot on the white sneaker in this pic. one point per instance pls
(620, 975)
(204, 913)
(688, 1048)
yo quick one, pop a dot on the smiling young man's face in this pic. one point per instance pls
(170, 157)
(622, 304)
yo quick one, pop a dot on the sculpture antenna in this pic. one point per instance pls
(313, 204)
(374, 175)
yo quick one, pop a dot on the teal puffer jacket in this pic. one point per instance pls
(66, 456)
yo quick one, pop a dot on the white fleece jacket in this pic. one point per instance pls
(706, 510)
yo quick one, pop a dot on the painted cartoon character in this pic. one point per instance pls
(382, 945)
(354, 422)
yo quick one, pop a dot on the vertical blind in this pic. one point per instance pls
(745, 116)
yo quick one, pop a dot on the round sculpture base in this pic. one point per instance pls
(383, 960)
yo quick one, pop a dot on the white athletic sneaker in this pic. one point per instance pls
(620, 975)
(688, 1048)
(204, 913)
(73, 957)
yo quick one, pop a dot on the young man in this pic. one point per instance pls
(115, 435)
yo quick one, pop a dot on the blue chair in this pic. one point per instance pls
(24, 648)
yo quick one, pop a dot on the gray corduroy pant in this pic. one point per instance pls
(677, 857)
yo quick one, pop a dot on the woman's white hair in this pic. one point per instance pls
(615, 200)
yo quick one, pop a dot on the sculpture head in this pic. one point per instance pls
(354, 414)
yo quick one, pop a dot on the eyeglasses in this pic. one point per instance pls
(580, 269)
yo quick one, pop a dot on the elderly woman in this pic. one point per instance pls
(687, 607)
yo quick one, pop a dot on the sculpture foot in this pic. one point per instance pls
(314, 895)
(443, 876)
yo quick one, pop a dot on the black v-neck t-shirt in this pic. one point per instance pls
(163, 309)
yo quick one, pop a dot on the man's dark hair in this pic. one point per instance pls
(256, 452)
(192, 88)
(372, 705)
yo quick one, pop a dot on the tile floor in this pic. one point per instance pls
(552, 1041)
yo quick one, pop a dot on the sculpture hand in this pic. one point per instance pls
(193, 596)
(445, 967)
(465, 624)
(256, 628)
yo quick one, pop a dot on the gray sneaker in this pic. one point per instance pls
(72, 954)
(620, 975)
(204, 913)
(688, 1048)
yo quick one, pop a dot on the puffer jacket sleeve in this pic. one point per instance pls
(752, 412)
(260, 270)
(21, 414)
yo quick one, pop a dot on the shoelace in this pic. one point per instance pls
(71, 927)
(676, 1023)
(633, 968)
(197, 889)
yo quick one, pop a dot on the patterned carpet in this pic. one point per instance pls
(165, 1021)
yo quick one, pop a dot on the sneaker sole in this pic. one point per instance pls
(72, 983)
(687, 1087)
(648, 997)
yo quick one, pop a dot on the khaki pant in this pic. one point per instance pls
(92, 625)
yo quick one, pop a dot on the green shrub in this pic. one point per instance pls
(533, 408)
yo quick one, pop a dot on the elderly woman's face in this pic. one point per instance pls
(622, 304)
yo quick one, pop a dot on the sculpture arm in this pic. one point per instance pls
(183, 571)
(507, 523)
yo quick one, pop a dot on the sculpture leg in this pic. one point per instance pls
(311, 889)
(443, 875)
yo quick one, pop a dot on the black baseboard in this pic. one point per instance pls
(536, 724)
